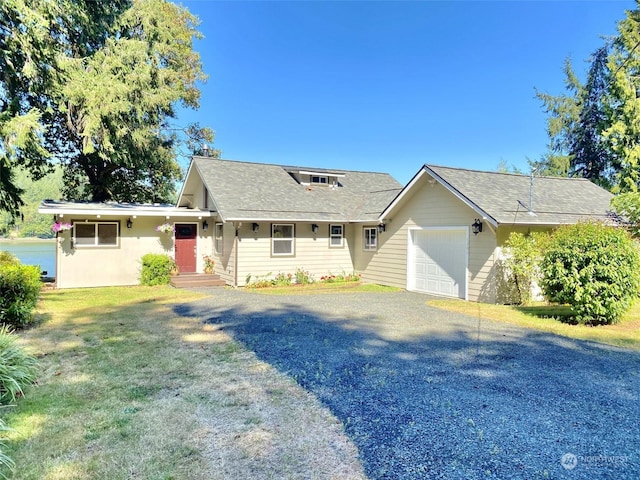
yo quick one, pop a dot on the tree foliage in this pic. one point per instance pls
(30, 223)
(94, 86)
(577, 124)
(623, 134)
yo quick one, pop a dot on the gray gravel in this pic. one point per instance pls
(425, 393)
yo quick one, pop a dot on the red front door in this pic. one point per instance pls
(186, 248)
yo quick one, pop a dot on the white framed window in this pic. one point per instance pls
(370, 238)
(218, 244)
(205, 197)
(319, 179)
(336, 236)
(282, 239)
(95, 234)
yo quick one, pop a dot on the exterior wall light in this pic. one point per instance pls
(255, 227)
(314, 227)
(129, 223)
(381, 227)
(205, 226)
(476, 227)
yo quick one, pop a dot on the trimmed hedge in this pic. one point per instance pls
(594, 268)
(156, 269)
(19, 292)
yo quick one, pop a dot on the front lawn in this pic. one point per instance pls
(553, 319)
(129, 388)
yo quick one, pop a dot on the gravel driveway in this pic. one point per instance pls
(425, 393)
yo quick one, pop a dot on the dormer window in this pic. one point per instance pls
(325, 178)
(317, 179)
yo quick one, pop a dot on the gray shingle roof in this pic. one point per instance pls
(252, 191)
(505, 197)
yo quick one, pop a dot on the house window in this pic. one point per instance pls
(218, 244)
(95, 234)
(336, 236)
(319, 179)
(370, 238)
(205, 198)
(282, 239)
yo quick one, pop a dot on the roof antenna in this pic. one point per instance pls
(533, 170)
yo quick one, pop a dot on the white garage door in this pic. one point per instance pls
(437, 262)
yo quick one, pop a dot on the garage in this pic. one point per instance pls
(437, 261)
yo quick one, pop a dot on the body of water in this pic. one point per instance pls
(34, 252)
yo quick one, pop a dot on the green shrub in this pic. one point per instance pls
(19, 291)
(594, 268)
(156, 269)
(521, 265)
(17, 368)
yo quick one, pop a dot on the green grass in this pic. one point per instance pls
(129, 389)
(320, 288)
(554, 319)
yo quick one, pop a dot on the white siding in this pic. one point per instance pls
(312, 252)
(429, 206)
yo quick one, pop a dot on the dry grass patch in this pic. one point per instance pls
(553, 319)
(129, 389)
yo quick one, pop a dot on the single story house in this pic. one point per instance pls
(440, 234)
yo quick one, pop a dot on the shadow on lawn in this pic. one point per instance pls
(453, 398)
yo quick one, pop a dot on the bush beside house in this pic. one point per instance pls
(520, 267)
(594, 268)
(156, 269)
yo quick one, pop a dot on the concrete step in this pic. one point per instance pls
(186, 280)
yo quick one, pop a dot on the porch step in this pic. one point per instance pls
(186, 280)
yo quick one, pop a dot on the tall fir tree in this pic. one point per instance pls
(576, 125)
(623, 134)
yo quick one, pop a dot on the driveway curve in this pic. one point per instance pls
(425, 393)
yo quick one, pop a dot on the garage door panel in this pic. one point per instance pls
(439, 262)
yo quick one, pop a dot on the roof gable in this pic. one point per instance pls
(244, 191)
(504, 198)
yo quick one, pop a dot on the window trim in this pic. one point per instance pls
(291, 239)
(96, 236)
(205, 197)
(218, 240)
(366, 245)
(332, 236)
(318, 179)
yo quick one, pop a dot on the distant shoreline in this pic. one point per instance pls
(26, 239)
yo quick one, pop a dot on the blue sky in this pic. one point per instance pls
(389, 86)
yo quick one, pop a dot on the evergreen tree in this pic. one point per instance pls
(94, 86)
(576, 125)
(623, 134)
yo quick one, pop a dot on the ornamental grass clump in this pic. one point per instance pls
(17, 369)
(594, 268)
